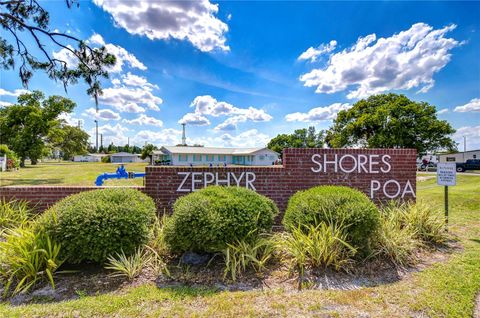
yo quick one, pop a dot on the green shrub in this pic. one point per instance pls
(4, 150)
(336, 204)
(26, 257)
(394, 239)
(248, 253)
(209, 219)
(92, 225)
(13, 214)
(323, 245)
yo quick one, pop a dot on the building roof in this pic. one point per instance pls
(124, 154)
(209, 150)
(458, 153)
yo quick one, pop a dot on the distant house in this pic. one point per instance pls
(197, 156)
(460, 156)
(91, 157)
(122, 157)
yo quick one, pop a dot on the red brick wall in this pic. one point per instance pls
(276, 182)
(42, 197)
(279, 183)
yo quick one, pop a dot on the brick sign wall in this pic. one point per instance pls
(382, 174)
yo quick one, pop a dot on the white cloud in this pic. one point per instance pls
(15, 93)
(194, 119)
(194, 21)
(135, 80)
(164, 137)
(5, 104)
(70, 120)
(123, 56)
(473, 137)
(313, 53)
(442, 111)
(405, 60)
(115, 134)
(206, 105)
(249, 138)
(129, 99)
(319, 113)
(105, 114)
(144, 120)
(472, 106)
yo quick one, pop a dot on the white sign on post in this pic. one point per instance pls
(447, 174)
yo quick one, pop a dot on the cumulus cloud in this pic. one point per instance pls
(164, 137)
(312, 53)
(194, 21)
(15, 93)
(194, 119)
(319, 113)
(144, 120)
(472, 106)
(124, 57)
(5, 104)
(104, 114)
(206, 105)
(249, 138)
(115, 133)
(405, 60)
(130, 99)
(135, 80)
(70, 119)
(442, 111)
(473, 136)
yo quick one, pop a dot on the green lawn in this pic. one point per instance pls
(446, 289)
(68, 173)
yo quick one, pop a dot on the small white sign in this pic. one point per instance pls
(447, 174)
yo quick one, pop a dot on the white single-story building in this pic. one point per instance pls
(91, 157)
(121, 157)
(201, 156)
(460, 156)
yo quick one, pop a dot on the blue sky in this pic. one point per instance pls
(239, 73)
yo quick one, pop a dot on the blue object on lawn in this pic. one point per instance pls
(121, 173)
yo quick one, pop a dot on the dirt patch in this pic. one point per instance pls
(424, 178)
(476, 310)
(94, 280)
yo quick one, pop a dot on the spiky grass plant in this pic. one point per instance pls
(13, 213)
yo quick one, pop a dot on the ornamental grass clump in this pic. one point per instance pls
(209, 219)
(334, 205)
(26, 258)
(92, 225)
(13, 214)
(317, 246)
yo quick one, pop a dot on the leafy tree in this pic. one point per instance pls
(301, 138)
(73, 141)
(147, 150)
(26, 21)
(391, 121)
(26, 126)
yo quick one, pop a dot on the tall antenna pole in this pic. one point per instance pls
(96, 134)
(184, 139)
(101, 141)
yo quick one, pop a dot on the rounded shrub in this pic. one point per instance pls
(92, 225)
(335, 205)
(209, 219)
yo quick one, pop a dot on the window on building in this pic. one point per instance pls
(197, 157)
(222, 158)
(261, 157)
(474, 156)
(209, 158)
(182, 157)
(450, 158)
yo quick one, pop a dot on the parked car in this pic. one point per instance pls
(470, 164)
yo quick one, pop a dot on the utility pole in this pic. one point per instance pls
(96, 134)
(184, 138)
(101, 141)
